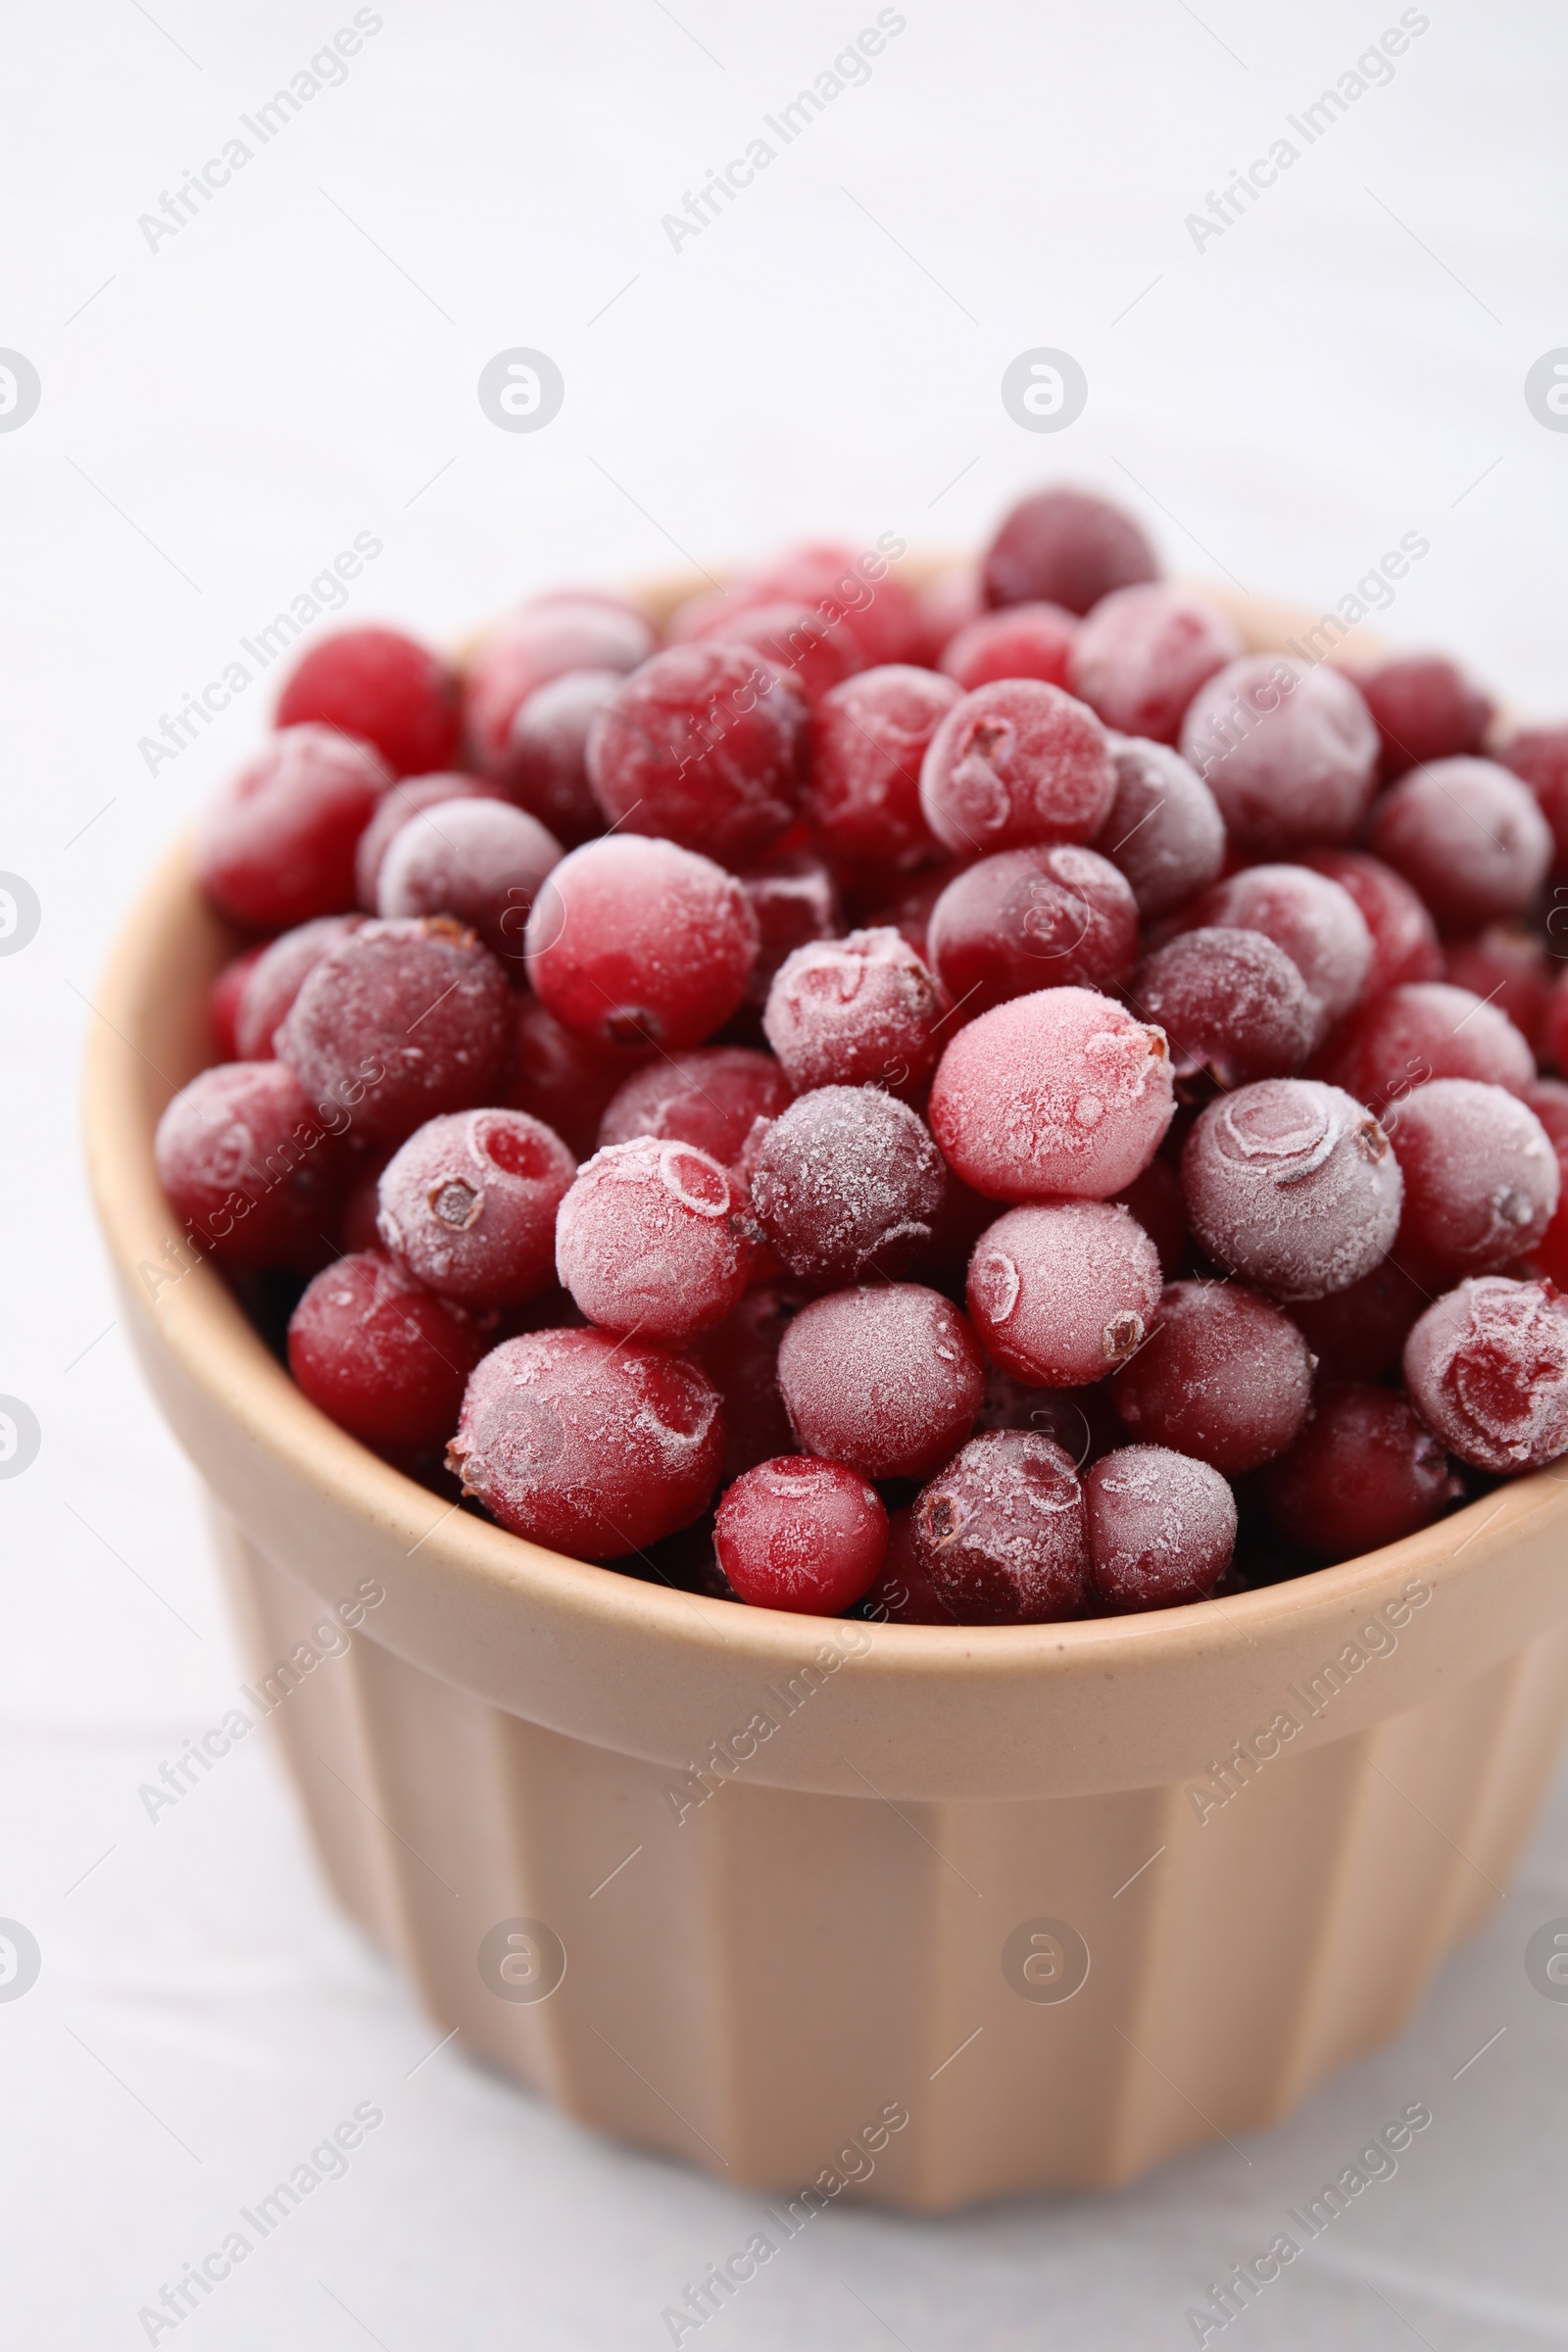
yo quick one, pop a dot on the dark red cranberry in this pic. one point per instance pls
(887, 1379)
(1487, 1369)
(385, 690)
(1508, 966)
(1407, 1036)
(382, 1357)
(716, 1097)
(1232, 1005)
(1359, 1332)
(1538, 756)
(535, 644)
(1029, 919)
(1362, 1473)
(1481, 1180)
(224, 996)
(703, 747)
(870, 737)
(479, 861)
(740, 1355)
(276, 848)
(1144, 652)
(564, 1078)
(1000, 1532)
(639, 942)
(1225, 1375)
(792, 897)
(1289, 752)
(467, 1206)
(1023, 641)
(848, 1184)
(1405, 938)
(1014, 766)
(1065, 547)
(1162, 1529)
(800, 1535)
(392, 813)
(1468, 836)
(544, 766)
(275, 978)
(1425, 709)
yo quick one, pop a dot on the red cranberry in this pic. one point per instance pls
(1487, 1369)
(1508, 966)
(392, 813)
(800, 1535)
(382, 1357)
(846, 1182)
(901, 1592)
(1164, 831)
(536, 644)
(278, 846)
(812, 651)
(275, 978)
(716, 1097)
(651, 1238)
(856, 1011)
(591, 1445)
(1481, 1179)
(1162, 1529)
(635, 940)
(224, 995)
(1065, 547)
(1362, 1473)
(1289, 753)
(887, 1379)
(1014, 764)
(859, 590)
(1409, 1034)
(1318, 924)
(544, 766)
(1143, 654)
(1226, 1377)
(869, 739)
(792, 897)
(1548, 1099)
(1359, 1332)
(1292, 1185)
(400, 1022)
(1064, 1291)
(1405, 938)
(1424, 708)
(1232, 1003)
(705, 747)
(1029, 919)
(467, 1206)
(249, 1167)
(1538, 756)
(383, 689)
(1468, 836)
(740, 1355)
(481, 861)
(1000, 1532)
(1025, 641)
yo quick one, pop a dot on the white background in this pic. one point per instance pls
(297, 364)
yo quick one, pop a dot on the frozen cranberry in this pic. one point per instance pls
(740, 1355)
(1468, 836)
(887, 1379)
(544, 765)
(1164, 831)
(1292, 1185)
(1232, 1003)
(278, 846)
(947, 604)
(536, 644)
(1359, 1332)
(901, 1592)
(249, 1167)
(858, 589)
(1016, 764)
(481, 861)
(381, 1356)
(1289, 753)
(563, 1078)
(1064, 1291)
(1162, 1529)
(802, 1535)
(592, 1445)
(1000, 1532)
(1025, 641)
(1481, 1179)
(392, 813)
(1155, 1200)
(224, 996)
(869, 740)
(1317, 924)
(1487, 1369)
(1424, 708)
(399, 1023)
(813, 650)
(385, 690)
(1225, 1375)
(1548, 1099)
(467, 1206)
(1407, 1036)
(714, 1096)
(1063, 1092)
(641, 942)
(848, 1183)
(1144, 652)
(651, 1238)
(1508, 966)
(704, 746)
(1405, 938)
(276, 977)
(855, 1011)
(1362, 1473)
(794, 899)
(1538, 756)
(1065, 547)
(1029, 919)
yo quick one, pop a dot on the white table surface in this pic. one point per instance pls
(296, 364)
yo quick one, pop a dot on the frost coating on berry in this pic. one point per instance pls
(1481, 1178)
(1468, 836)
(1405, 938)
(1022, 641)
(533, 646)
(468, 1206)
(1062, 1092)
(481, 861)
(869, 739)
(639, 942)
(1289, 752)
(716, 1097)
(276, 977)
(1164, 831)
(1487, 1369)
(1293, 1184)
(1015, 763)
(392, 813)
(651, 1238)
(1142, 653)
(887, 1379)
(1226, 1376)
(1425, 709)
(591, 1445)
(1000, 1532)
(1230, 1002)
(800, 1535)
(1025, 920)
(1062, 1293)
(249, 1167)
(848, 1183)
(703, 746)
(1410, 1035)
(278, 844)
(855, 1011)
(1161, 1528)
(1316, 922)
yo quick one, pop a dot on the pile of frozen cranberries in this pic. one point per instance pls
(975, 1104)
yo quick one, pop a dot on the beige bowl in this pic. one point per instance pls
(925, 1915)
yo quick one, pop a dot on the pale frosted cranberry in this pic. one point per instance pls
(705, 746)
(1289, 752)
(1065, 547)
(481, 861)
(1292, 1185)
(1405, 938)
(1028, 919)
(544, 766)
(1469, 835)
(1231, 1002)
(1317, 924)
(716, 1097)
(1359, 1332)
(537, 643)
(795, 900)
(1481, 1179)
(1165, 830)
(1162, 1529)
(593, 1446)
(277, 846)
(1025, 641)
(1064, 1291)
(1015, 764)
(1000, 1532)
(275, 977)
(1063, 1092)
(249, 1167)
(467, 1206)
(901, 1592)
(635, 940)
(1226, 1376)
(385, 690)
(740, 1355)
(856, 1011)
(399, 1023)
(1407, 1036)
(1508, 966)
(564, 1078)
(224, 995)
(392, 813)
(1538, 756)
(1144, 652)
(869, 739)
(846, 1182)
(380, 1356)
(1362, 1473)
(651, 1238)
(1487, 1369)
(887, 1379)
(1424, 708)
(800, 1535)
